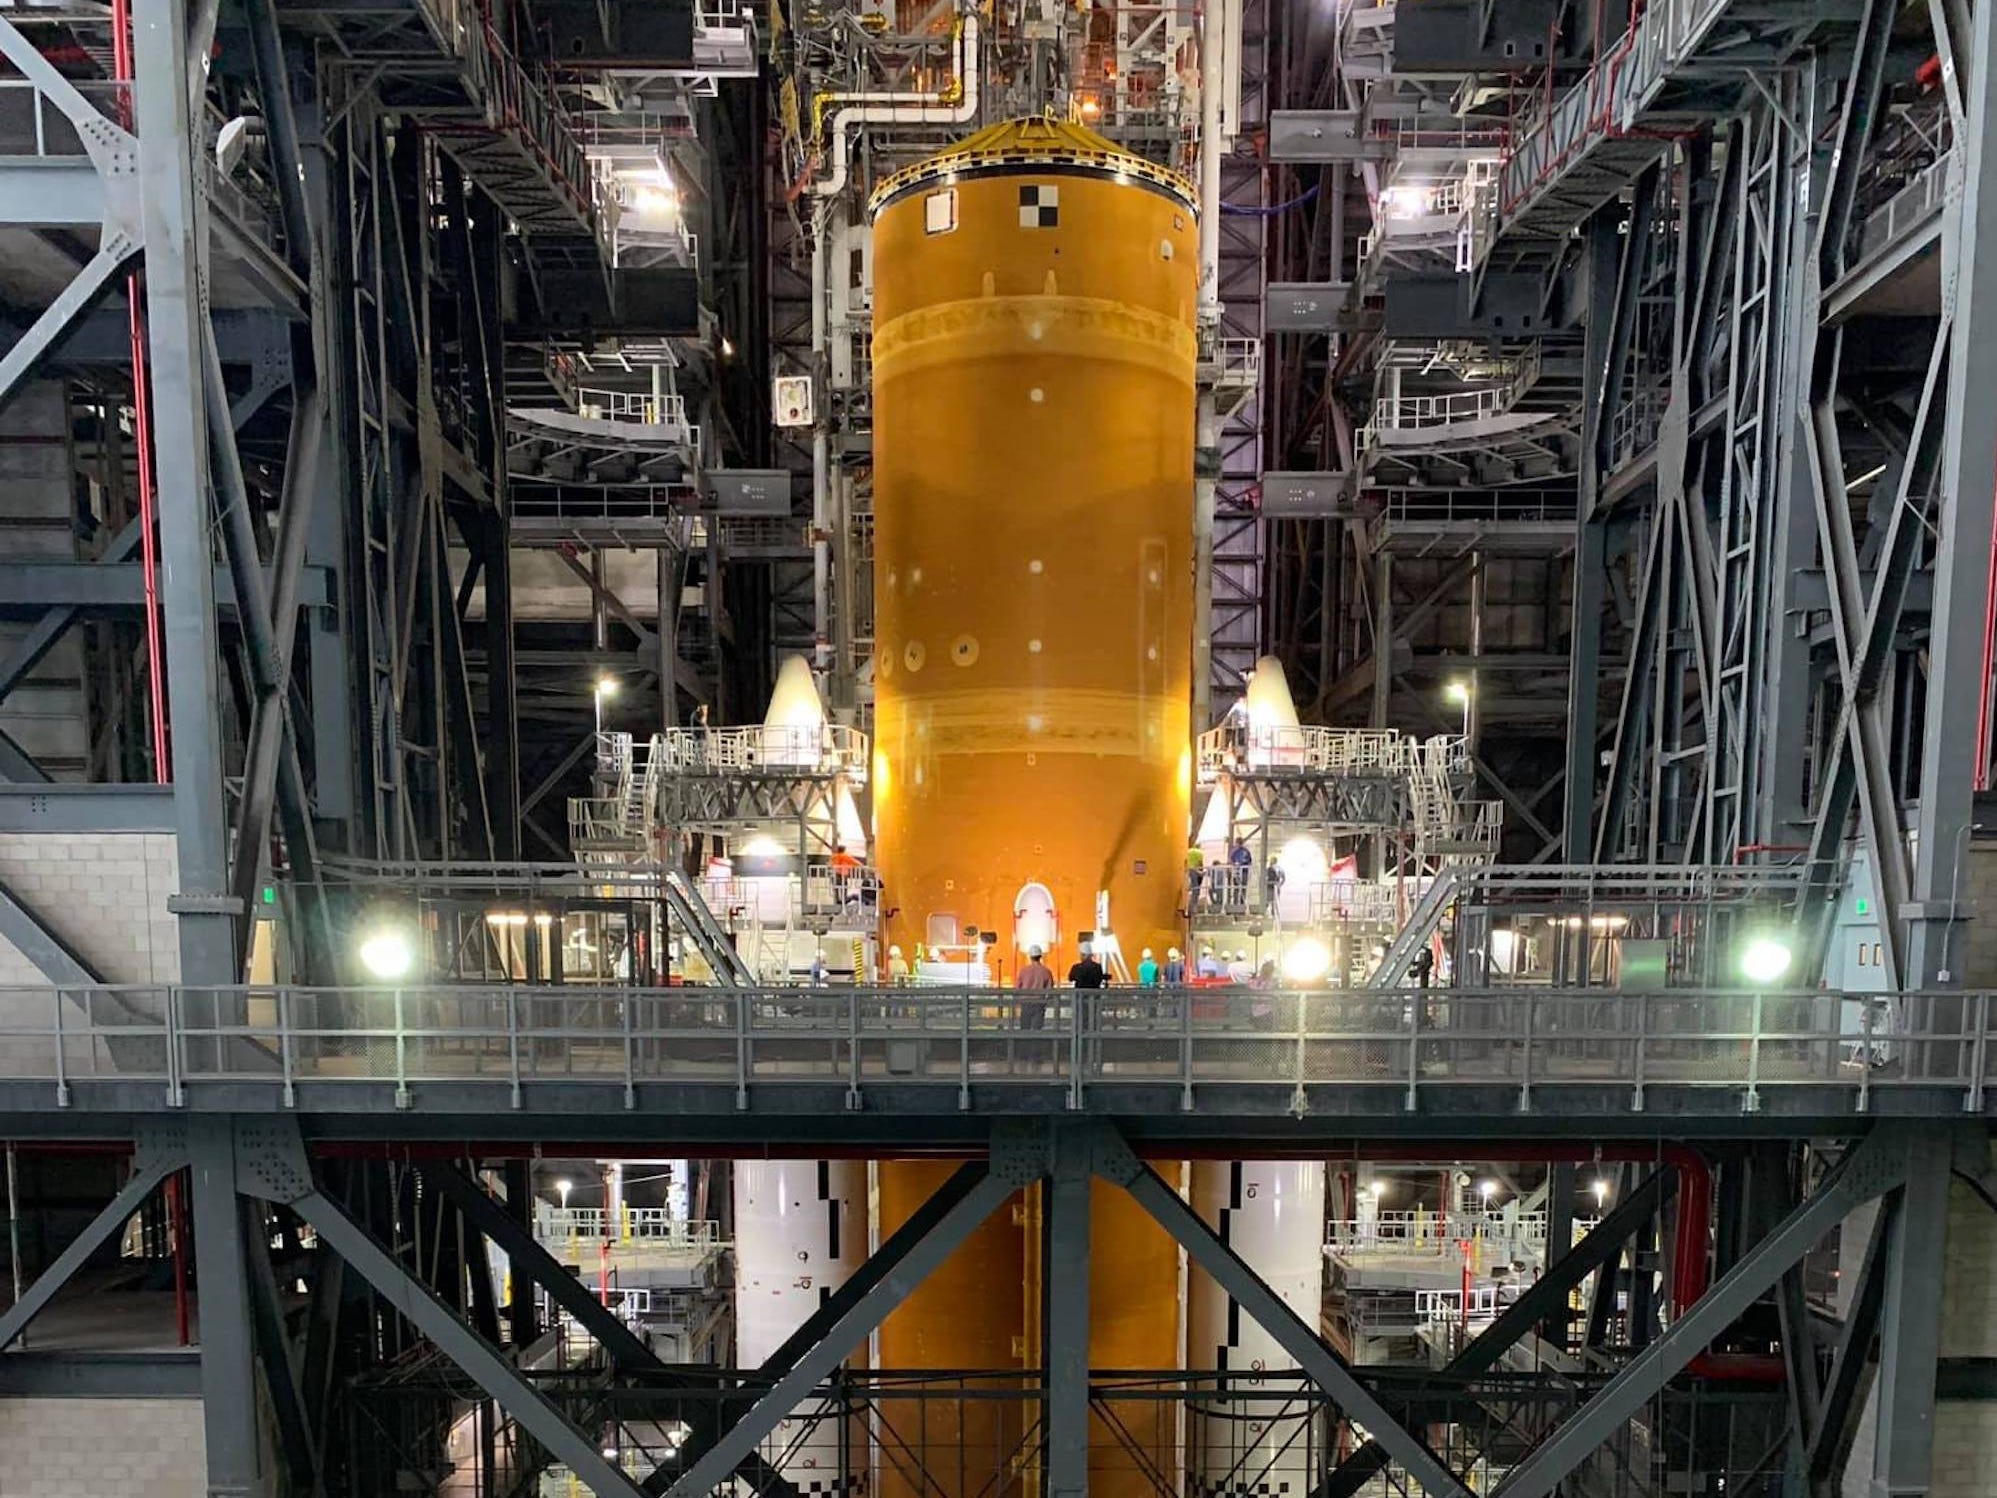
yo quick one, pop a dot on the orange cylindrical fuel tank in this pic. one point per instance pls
(961, 1438)
(1033, 352)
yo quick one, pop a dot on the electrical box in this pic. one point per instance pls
(791, 401)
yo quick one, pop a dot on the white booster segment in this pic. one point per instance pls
(800, 1230)
(1272, 1214)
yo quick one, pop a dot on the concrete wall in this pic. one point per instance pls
(1965, 1429)
(101, 1448)
(103, 893)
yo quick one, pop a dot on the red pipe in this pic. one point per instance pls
(142, 432)
(1989, 661)
(176, 1212)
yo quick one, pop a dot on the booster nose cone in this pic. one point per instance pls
(791, 726)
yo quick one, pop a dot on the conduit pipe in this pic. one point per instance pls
(903, 109)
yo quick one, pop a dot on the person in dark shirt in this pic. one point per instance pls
(1088, 973)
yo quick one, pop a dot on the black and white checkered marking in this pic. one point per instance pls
(1039, 206)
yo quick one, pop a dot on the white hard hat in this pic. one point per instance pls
(1172, 954)
(894, 951)
(1034, 953)
(1147, 952)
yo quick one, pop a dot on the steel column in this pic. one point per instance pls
(1064, 1305)
(230, 1418)
(1910, 1325)
(1957, 730)
(175, 278)
(1873, 1166)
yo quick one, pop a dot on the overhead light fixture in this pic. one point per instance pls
(387, 953)
(1766, 959)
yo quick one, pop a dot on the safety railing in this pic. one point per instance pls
(1358, 900)
(32, 124)
(1912, 205)
(666, 410)
(523, 104)
(1407, 1046)
(795, 750)
(1429, 1232)
(1252, 748)
(625, 1224)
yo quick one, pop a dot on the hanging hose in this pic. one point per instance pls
(142, 431)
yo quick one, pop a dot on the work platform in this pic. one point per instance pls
(856, 1064)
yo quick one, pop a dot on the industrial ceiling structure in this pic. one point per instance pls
(1033, 749)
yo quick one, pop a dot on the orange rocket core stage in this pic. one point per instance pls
(1034, 354)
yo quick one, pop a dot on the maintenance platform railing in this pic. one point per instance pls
(478, 1047)
(1272, 749)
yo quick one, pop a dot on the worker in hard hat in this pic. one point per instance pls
(1147, 970)
(1175, 968)
(1034, 983)
(1210, 964)
(897, 968)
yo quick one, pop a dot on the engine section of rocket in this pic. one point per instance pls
(1033, 354)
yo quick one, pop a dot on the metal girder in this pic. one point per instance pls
(1956, 734)
(1830, 1440)
(1877, 1164)
(1314, 307)
(35, 940)
(28, 351)
(1549, 1292)
(1273, 1314)
(533, 1263)
(1015, 1163)
(17, 765)
(421, 1307)
(155, 1162)
(275, 1353)
(1319, 135)
(1064, 1310)
(1910, 1327)
(42, 635)
(63, 807)
(50, 192)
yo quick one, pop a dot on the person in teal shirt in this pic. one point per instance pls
(1147, 970)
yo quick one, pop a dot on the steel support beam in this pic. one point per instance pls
(153, 1165)
(1851, 1363)
(531, 1262)
(420, 1306)
(1957, 730)
(1875, 1165)
(1324, 1366)
(30, 935)
(1064, 1309)
(175, 257)
(275, 1353)
(1015, 1163)
(230, 1420)
(1546, 1295)
(1910, 1328)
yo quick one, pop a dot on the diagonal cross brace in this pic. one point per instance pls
(152, 1167)
(1876, 1165)
(1841, 1395)
(421, 1307)
(1325, 1367)
(1601, 1244)
(849, 1331)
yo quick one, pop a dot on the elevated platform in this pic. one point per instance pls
(812, 1065)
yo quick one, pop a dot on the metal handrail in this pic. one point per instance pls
(803, 750)
(1413, 1043)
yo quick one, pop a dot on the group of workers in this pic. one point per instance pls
(1225, 885)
